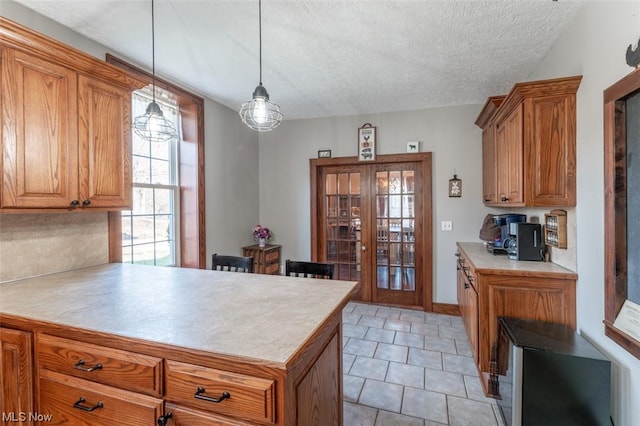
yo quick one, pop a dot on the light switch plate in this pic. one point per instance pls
(447, 225)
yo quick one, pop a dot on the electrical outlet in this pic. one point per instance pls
(447, 225)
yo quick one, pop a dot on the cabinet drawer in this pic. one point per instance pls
(249, 398)
(127, 370)
(183, 416)
(272, 256)
(272, 269)
(79, 402)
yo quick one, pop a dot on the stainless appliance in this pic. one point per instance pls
(546, 374)
(504, 221)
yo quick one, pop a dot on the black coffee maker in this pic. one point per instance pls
(526, 242)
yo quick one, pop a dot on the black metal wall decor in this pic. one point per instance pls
(455, 186)
(633, 56)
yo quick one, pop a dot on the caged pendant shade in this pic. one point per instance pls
(152, 125)
(260, 113)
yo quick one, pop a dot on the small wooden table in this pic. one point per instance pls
(266, 260)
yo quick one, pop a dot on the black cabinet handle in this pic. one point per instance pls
(75, 203)
(504, 199)
(200, 395)
(86, 203)
(162, 420)
(79, 405)
(80, 366)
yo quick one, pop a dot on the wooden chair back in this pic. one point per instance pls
(309, 269)
(231, 263)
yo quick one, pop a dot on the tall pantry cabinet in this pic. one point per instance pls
(66, 120)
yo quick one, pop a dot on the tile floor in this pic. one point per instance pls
(406, 367)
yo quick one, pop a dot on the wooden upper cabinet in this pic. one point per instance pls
(104, 142)
(66, 126)
(509, 159)
(534, 130)
(486, 121)
(39, 132)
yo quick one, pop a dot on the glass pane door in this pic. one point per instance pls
(342, 223)
(395, 242)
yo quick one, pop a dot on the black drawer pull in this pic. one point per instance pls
(80, 366)
(200, 395)
(79, 405)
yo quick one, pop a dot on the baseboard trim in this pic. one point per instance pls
(446, 308)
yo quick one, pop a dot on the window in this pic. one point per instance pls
(190, 240)
(149, 230)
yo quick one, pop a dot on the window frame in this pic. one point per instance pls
(190, 171)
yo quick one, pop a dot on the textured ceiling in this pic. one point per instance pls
(329, 57)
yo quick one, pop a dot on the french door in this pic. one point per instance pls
(373, 221)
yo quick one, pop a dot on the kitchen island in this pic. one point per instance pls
(131, 344)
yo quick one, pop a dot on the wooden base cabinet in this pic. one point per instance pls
(266, 260)
(16, 377)
(511, 292)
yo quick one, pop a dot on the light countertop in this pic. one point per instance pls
(264, 317)
(483, 260)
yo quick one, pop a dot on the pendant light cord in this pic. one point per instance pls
(260, 31)
(153, 54)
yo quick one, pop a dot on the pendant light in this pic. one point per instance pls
(260, 113)
(152, 125)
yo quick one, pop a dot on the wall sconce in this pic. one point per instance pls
(455, 186)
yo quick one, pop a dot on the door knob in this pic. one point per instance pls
(364, 248)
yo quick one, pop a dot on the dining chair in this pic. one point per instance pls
(294, 268)
(231, 263)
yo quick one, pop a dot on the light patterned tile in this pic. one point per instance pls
(350, 318)
(440, 344)
(431, 318)
(347, 362)
(409, 339)
(425, 404)
(349, 307)
(474, 390)
(360, 347)
(424, 328)
(391, 352)
(407, 375)
(351, 387)
(459, 364)
(425, 358)
(463, 412)
(386, 418)
(369, 368)
(387, 396)
(380, 335)
(452, 332)
(463, 347)
(358, 415)
(353, 330)
(364, 309)
(397, 325)
(444, 382)
(368, 321)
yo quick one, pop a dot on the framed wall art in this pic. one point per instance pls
(367, 143)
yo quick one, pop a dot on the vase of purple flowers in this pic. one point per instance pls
(261, 234)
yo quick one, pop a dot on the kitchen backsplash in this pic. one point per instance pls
(38, 244)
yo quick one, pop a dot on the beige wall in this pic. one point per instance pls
(38, 244)
(449, 133)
